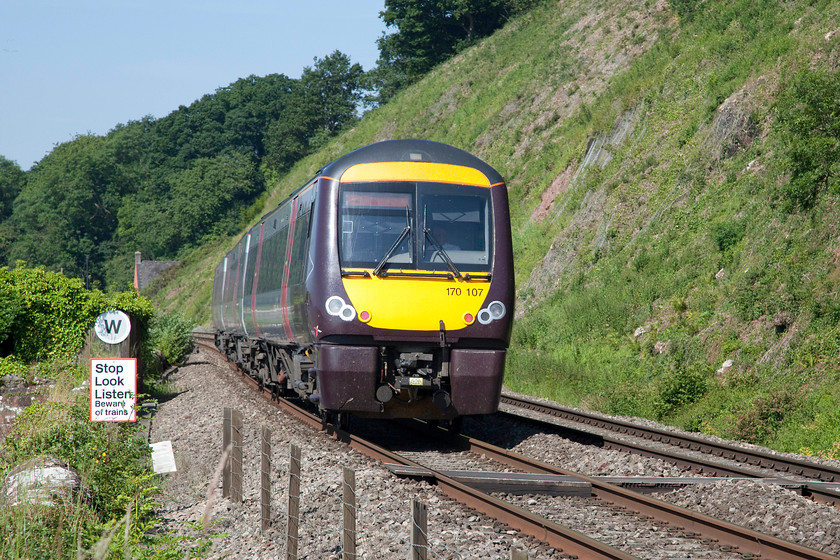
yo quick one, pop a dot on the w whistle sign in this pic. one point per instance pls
(112, 327)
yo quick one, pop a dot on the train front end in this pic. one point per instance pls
(414, 320)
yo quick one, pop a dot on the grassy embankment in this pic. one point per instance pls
(706, 212)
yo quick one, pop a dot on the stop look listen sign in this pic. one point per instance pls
(113, 390)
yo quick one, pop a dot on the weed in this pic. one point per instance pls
(680, 388)
(759, 422)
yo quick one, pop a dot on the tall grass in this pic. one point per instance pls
(708, 254)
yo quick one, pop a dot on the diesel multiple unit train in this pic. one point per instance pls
(383, 287)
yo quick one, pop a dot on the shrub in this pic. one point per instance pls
(682, 387)
(11, 306)
(727, 234)
(808, 123)
(11, 365)
(108, 456)
(115, 468)
(53, 312)
(761, 420)
(170, 334)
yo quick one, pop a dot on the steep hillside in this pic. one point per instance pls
(675, 200)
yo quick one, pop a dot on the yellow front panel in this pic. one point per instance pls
(416, 303)
(415, 171)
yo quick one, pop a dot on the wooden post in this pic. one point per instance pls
(294, 504)
(518, 554)
(265, 479)
(419, 535)
(226, 429)
(236, 457)
(349, 534)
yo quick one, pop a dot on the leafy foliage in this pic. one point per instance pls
(324, 102)
(115, 469)
(429, 32)
(65, 431)
(680, 388)
(168, 185)
(170, 335)
(727, 234)
(808, 120)
(67, 209)
(12, 179)
(53, 312)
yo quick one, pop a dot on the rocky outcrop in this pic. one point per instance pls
(42, 480)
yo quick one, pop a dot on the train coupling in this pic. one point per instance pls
(415, 377)
(415, 361)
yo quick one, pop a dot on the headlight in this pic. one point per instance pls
(337, 307)
(497, 310)
(493, 312)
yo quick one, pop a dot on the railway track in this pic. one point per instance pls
(570, 542)
(726, 536)
(813, 480)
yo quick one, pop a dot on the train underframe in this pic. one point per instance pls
(390, 380)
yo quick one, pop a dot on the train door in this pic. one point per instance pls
(299, 264)
(267, 312)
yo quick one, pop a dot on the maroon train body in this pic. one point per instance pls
(382, 287)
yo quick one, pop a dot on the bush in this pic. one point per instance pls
(11, 306)
(52, 313)
(10, 365)
(170, 336)
(682, 387)
(808, 123)
(765, 415)
(48, 323)
(108, 456)
(727, 234)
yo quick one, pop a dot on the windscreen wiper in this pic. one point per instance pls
(439, 248)
(378, 270)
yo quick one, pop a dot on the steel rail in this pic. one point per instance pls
(562, 538)
(744, 540)
(756, 458)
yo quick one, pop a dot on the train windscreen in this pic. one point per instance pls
(415, 226)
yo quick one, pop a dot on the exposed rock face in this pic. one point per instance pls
(15, 395)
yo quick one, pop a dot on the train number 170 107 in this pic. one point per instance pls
(468, 292)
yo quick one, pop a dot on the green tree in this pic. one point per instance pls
(427, 32)
(332, 91)
(65, 215)
(323, 102)
(202, 200)
(12, 180)
(160, 186)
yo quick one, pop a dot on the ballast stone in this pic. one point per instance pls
(39, 481)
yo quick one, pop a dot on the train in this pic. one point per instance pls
(383, 287)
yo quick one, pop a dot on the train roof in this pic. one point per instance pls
(408, 150)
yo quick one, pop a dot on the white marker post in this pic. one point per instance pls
(112, 327)
(113, 390)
